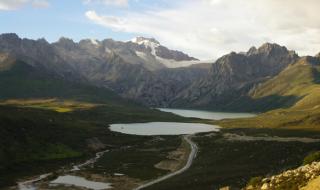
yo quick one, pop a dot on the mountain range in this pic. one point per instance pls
(144, 71)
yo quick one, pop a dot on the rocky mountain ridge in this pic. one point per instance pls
(133, 70)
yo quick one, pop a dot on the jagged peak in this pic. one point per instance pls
(267, 47)
(66, 43)
(231, 56)
(145, 41)
(91, 41)
(42, 40)
(271, 48)
(65, 40)
(318, 55)
(252, 50)
(94, 41)
(11, 38)
(9, 35)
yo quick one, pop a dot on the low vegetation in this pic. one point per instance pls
(312, 157)
(222, 162)
(35, 140)
(255, 182)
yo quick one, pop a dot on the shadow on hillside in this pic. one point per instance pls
(316, 75)
(243, 104)
(263, 104)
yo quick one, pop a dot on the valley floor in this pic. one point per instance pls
(220, 162)
(227, 158)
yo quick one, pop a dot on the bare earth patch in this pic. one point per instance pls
(175, 159)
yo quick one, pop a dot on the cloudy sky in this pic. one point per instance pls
(205, 29)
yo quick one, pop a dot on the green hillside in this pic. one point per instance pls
(301, 81)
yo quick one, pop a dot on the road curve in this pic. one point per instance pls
(192, 155)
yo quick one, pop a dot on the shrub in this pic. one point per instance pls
(255, 181)
(313, 157)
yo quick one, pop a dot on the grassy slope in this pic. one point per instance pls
(300, 80)
(281, 91)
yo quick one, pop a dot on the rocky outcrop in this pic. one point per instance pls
(291, 179)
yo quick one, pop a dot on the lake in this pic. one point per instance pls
(173, 128)
(162, 128)
(80, 182)
(207, 114)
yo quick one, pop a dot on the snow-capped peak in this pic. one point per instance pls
(94, 41)
(147, 42)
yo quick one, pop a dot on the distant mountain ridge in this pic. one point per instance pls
(108, 63)
(136, 70)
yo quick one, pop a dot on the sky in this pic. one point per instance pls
(206, 29)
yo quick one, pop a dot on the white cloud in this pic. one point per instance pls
(210, 28)
(12, 4)
(40, 4)
(108, 2)
(9, 5)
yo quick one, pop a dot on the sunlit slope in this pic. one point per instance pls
(300, 80)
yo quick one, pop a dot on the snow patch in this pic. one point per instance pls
(148, 43)
(94, 41)
(107, 50)
(171, 63)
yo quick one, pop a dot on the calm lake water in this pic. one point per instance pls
(207, 114)
(162, 128)
(80, 182)
(172, 128)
